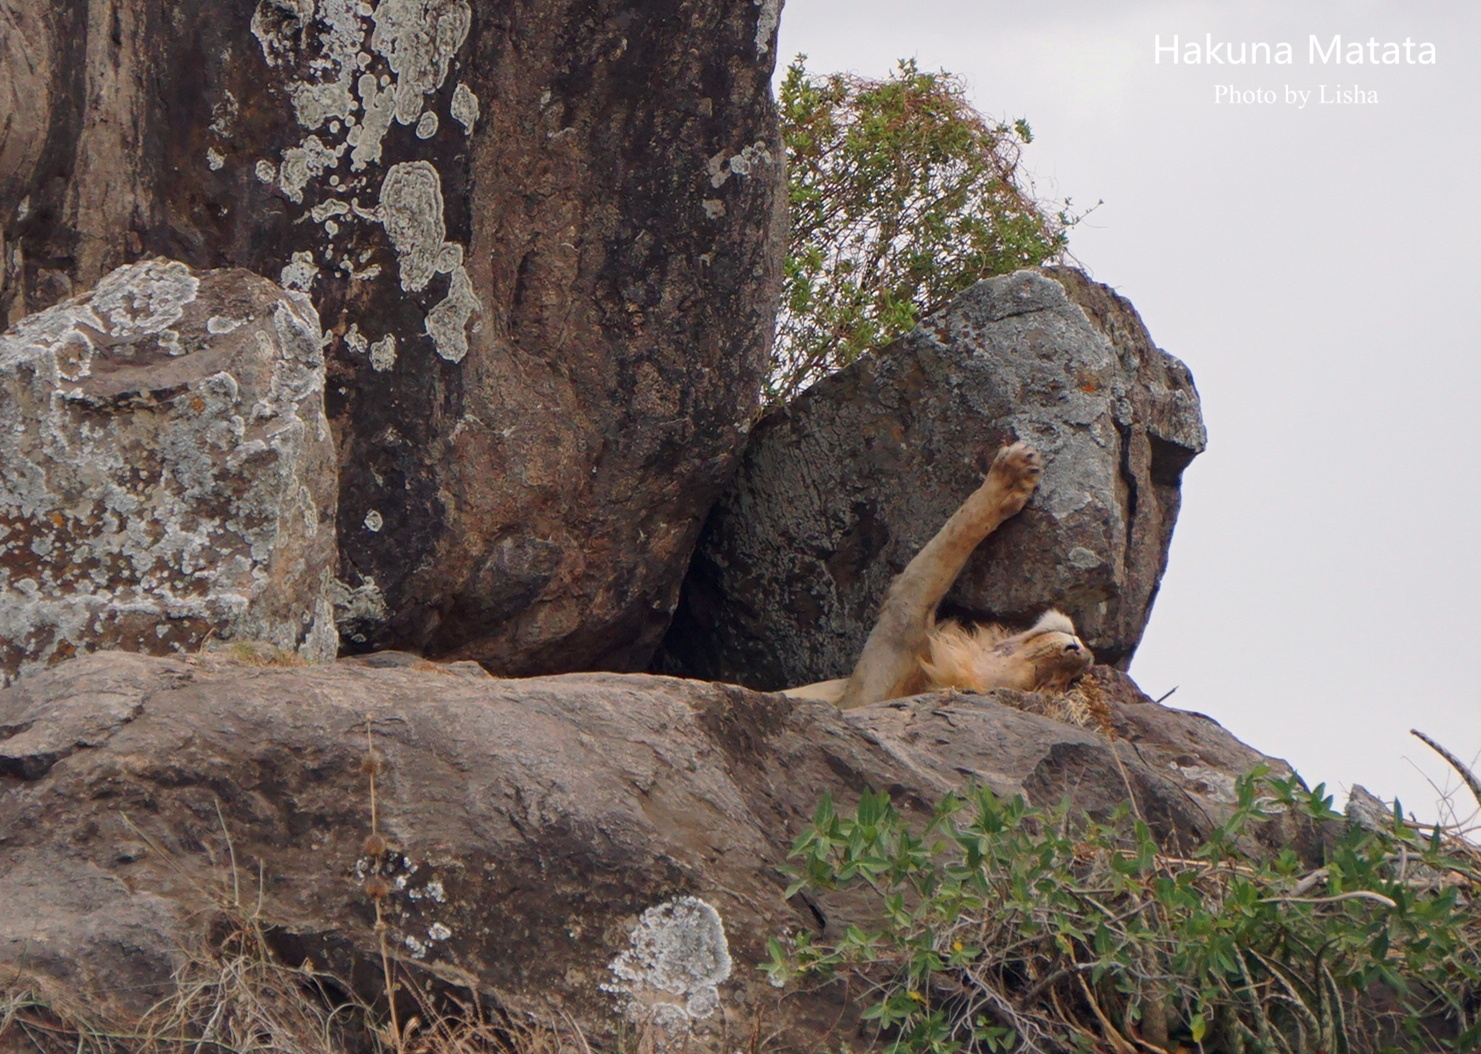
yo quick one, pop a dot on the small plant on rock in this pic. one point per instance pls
(1004, 927)
(901, 196)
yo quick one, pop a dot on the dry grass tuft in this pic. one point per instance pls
(235, 995)
(239, 997)
(252, 653)
(1083, 704)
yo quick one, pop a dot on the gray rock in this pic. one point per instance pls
(166, 470)
(545, 238)
(838, 490)
(1368, 811)
(578, 848)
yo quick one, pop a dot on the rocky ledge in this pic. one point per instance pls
(581, 847)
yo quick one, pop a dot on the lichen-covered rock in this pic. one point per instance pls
(545, 239)
(166, 470)
(601, 850)
(839, 490)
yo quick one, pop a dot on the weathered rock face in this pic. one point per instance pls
(166, 470)
(545, 239)
(838, 491)
(550, 836)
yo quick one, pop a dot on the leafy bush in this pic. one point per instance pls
(901, 195)
(1009, 928)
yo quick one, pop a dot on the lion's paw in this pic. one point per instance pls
(1015, 473)
(1018, 465)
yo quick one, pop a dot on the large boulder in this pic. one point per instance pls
(578, 848)
(838, 490)
(544, 238)
(166, 471)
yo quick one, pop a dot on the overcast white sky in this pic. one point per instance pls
(1318, 269)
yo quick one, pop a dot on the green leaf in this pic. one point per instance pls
(902, 196)
(1198, 1028)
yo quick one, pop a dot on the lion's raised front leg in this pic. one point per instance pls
(891, 656)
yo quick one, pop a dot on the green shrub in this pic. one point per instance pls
(1005, 928)
(901, 196)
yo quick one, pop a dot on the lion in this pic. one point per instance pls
(908, 652)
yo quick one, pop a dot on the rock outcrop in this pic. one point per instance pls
(166, 470)
(573, 847)
(839, 489)
(545, 239)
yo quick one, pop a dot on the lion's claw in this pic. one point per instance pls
(1013, 477)
(1018, 465)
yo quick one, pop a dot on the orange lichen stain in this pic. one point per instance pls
(57, 519)
(1089, 386)
(197, 404)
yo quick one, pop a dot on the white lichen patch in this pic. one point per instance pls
(449, 258)
(356, 341)
(438, 932)
(670, 974)
(277, 25)
(418, 39)
(374, 521)
(1083, 558)
(766, 20)
(412, 211)
(447, 323)
(410, 37)
(746, 163)
(300, 273)
(464, 107)
(304, 163)
(219, 324)
(328, 98)
(223, 114)
(365, 138)
(215, 160)
(359, 609)
(351, 69)
(144, 299)
(355, 274)
(1216, 784)
(383, 353)
(331, 207)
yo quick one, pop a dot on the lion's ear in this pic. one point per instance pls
(1053, 621)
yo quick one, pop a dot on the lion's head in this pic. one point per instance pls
(1047, 655)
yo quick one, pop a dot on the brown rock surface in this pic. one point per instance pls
(544, 237)
(166, 471)
(551, 836)
(837, 491)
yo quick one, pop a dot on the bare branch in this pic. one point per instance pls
(1465, 773)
